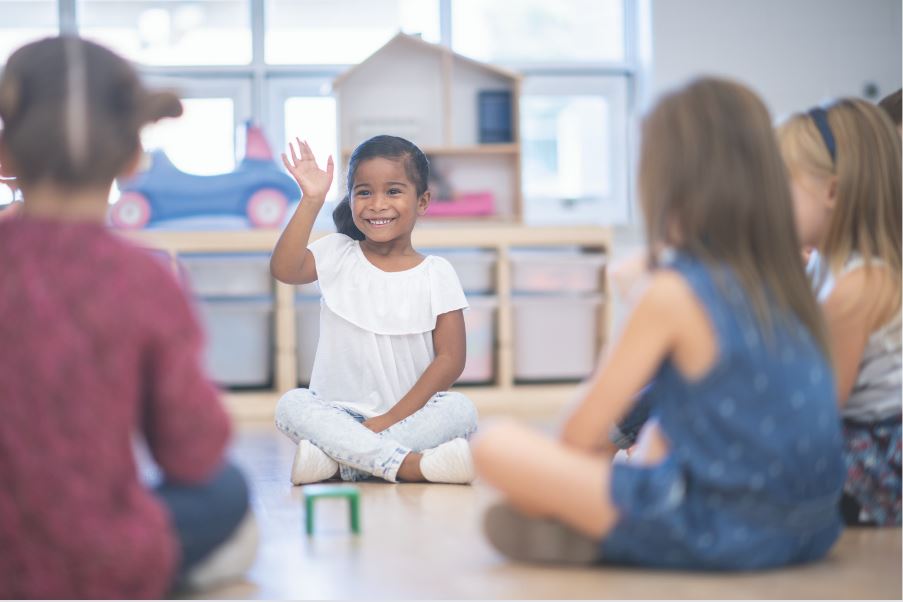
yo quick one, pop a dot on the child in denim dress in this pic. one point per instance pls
(739, 466)
(391, 328)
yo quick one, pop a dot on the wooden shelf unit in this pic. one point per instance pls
(504, 396)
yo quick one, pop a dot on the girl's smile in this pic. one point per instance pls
(379, 222)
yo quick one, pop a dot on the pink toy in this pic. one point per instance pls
(462, 205)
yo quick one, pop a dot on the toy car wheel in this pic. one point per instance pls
(266, 208)
(131, 211)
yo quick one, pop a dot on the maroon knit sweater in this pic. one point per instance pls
(97, 344)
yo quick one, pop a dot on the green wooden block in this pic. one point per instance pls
(314, 492)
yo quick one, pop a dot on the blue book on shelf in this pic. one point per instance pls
(494, 110)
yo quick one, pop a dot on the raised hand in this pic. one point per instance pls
(314, 182)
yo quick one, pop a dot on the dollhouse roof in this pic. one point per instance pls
(403, 39)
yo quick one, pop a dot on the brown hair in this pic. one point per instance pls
(712, 184)
(72, 111)
(891, 105)
(866, 219)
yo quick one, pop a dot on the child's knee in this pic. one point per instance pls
(493, 440)
(290, 408)
(462, 409)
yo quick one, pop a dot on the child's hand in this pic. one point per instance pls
(378, 424)
(314, 182)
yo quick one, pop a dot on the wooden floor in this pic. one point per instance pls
(425, 541)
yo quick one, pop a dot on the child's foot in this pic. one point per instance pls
(311, 464)
(450, 462)
(528, 539)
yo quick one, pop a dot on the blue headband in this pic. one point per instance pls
(820, 117)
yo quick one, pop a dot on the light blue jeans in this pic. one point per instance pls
(360, 452)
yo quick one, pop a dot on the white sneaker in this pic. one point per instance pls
(311, 464)
(450, 462)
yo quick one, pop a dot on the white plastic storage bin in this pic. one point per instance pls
(555, 336)
(239, 341)
(307, 328)
(479, 322)
(228, 274)
(475, 267)
(555, 271)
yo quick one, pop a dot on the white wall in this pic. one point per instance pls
(794, 53)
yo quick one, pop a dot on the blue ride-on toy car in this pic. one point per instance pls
(258, 189)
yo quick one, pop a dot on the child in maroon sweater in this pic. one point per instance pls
(99, 344)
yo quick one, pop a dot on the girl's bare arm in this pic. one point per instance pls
(291, 262)
(853, 310)
(656, 328)
(449, 343)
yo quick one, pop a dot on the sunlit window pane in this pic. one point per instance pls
(313, 118)
(201, 141)
(24, 21)
(171, 32)
(342, 31)
(539, 30)
(567, 158)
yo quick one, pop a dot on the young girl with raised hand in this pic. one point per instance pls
(100, 345)
(391, 328)
(740, 465)
(844, 163)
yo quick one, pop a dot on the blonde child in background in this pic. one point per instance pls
(392, 338)
(844, 162)
(740, 465)
(99, 344)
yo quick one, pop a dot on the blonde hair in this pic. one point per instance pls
(866, 219)
(712, 183)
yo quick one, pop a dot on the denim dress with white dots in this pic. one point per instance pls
(755, 468)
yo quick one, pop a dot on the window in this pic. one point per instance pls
(574, 111)
(570, 30)
(574, 148)
(25, 21)
(201, 141)
(313, 119)
(345, 32)
(171, 32)
(307, 110)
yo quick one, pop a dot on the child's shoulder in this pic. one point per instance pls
(864, 291)
(439, 268)
(667, 292)
(330, 244)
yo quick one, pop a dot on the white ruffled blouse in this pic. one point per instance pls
(376, 327)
